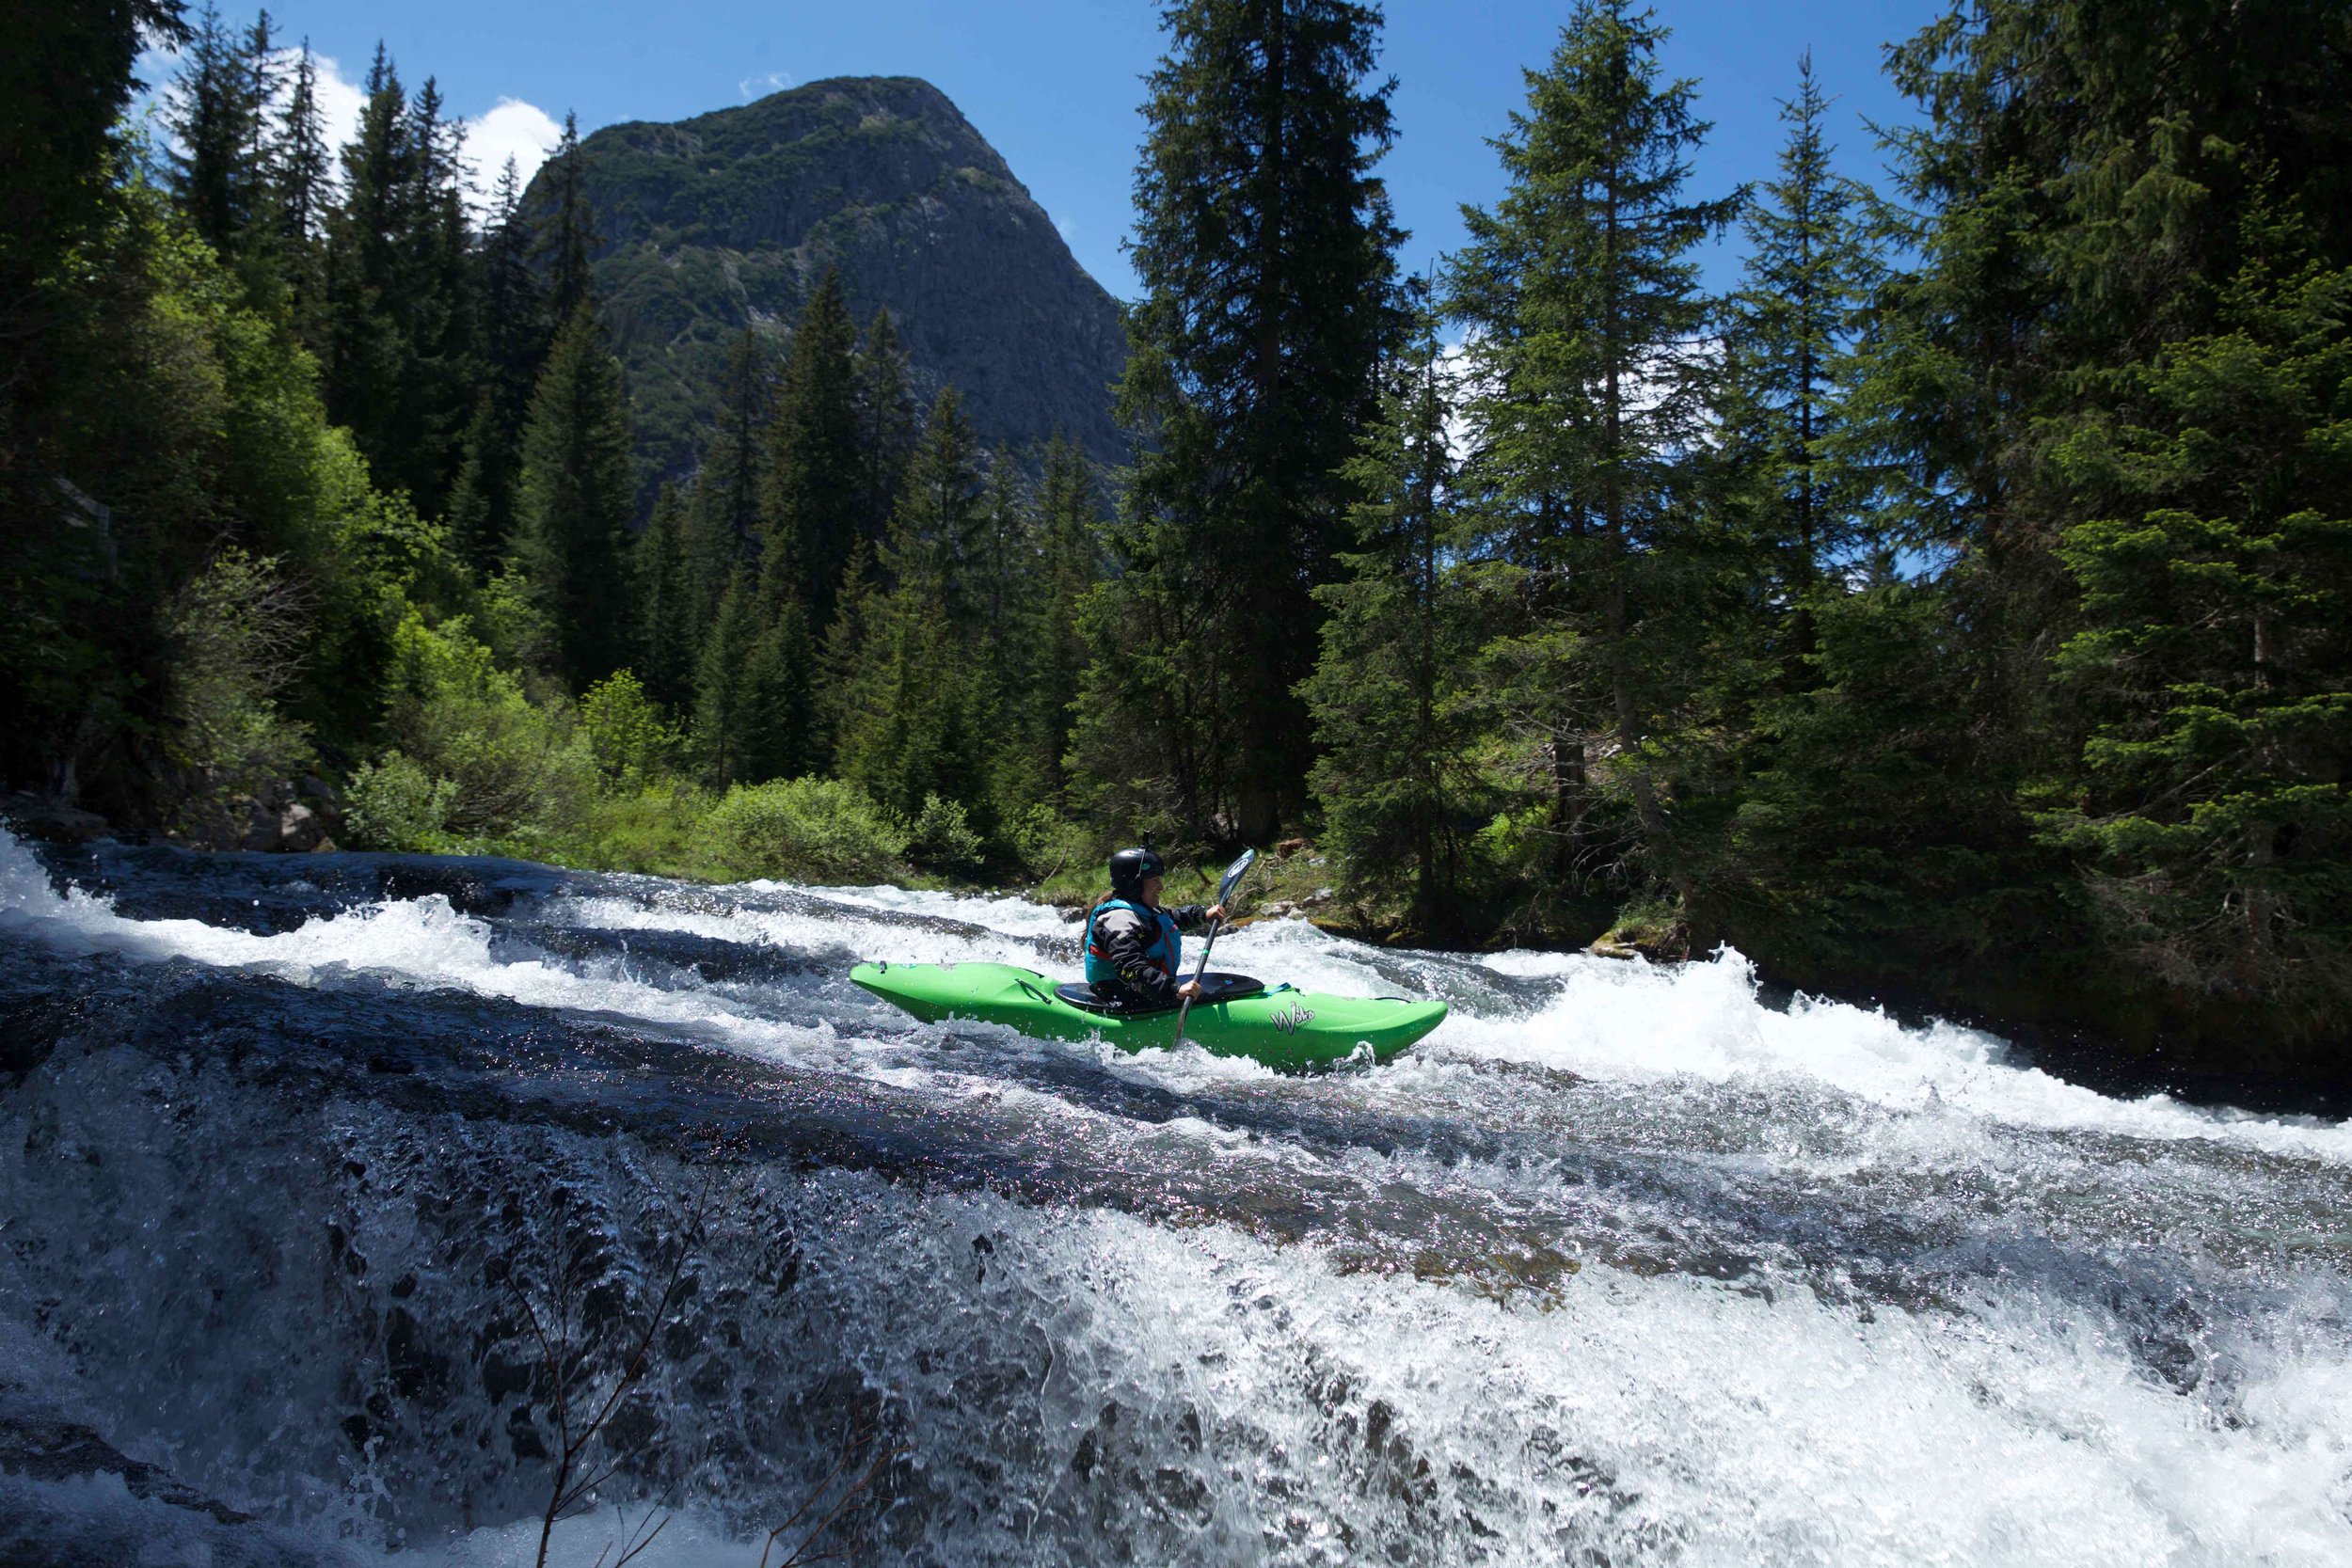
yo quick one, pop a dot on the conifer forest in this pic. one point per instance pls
(1957, 611)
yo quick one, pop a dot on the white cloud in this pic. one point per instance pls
(775, 81)
(512, 129)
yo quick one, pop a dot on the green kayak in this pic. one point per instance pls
(1236, 1016)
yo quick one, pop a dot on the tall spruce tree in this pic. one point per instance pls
(2210, 674)
(782, 725)
(811, 490)
(568, 237)
(1069, 567)
(509, 344)
(301, 165)
(888, 424)
(397, 317)
(730, 483)
(575, 502)
(668, 639)
(1396, 776)
(301, 193)
(1809, 272)
(724, 712)
(1264, 244)
(439, 317)
(1579, 291)
(916, 717)
(218, 115)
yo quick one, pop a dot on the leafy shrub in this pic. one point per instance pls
(236, 630)
(942, 839)
(803, 829)
(394, 804)
(632, 738)
(1048, 843)
(511, 766)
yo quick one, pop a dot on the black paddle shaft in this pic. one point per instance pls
(1231, 879)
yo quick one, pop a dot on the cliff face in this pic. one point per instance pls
(733, 216)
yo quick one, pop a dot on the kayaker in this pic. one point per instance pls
(1133, 948)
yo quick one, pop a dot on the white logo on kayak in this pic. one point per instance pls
(1293, 1018)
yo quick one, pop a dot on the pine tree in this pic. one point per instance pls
(856, 605)
(1263, 242)
(809, 501)
(941, 515)
(916, 717)
(724, 526)
(216, 113)
(575, 502)
(368, 362)
(668, 637)
(724, 714)
(2211, 677)
(507, 344)
(888, 424)
(1581, 292)
(439, 317)
(480, 511)
(568, 239)
(300, 166)
(1069, 567)
(1809, 272)
(1396, 770)
(780, 699)
(300, 194)
(510, 325)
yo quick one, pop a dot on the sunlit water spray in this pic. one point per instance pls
(1621, 1265)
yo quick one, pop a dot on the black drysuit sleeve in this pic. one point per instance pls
(1125, 937)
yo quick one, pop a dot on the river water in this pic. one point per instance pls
(1621, 1265)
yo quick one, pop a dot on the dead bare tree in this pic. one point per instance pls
(860, 1446)
(566, 1362)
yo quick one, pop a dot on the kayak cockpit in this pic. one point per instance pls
(1214, 988)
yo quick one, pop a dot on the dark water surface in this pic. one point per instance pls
(1620, 1266)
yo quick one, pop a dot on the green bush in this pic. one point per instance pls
(657, 830)
(803, 829)
(394, 804)
(632, 738)
(1049, 844)
(235, 631)
(942, 839)
(512, 766)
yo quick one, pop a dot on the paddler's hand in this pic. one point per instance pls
(1189, 990)
(1215, 911)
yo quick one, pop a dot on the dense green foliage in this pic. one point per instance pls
(1960, 608)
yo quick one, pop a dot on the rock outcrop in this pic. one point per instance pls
(732, 217)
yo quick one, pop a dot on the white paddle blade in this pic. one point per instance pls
(1234, 872)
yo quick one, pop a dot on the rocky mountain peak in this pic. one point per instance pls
(732, 216)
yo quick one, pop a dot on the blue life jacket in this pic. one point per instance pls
(1165, 951)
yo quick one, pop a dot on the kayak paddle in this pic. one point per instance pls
(1234, 874)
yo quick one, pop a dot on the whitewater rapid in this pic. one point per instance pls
(1623, 1264)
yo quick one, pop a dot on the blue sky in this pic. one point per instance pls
(1055, 85)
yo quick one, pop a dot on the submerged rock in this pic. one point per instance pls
(52, 820)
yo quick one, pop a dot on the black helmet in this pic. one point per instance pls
(1130, 867)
